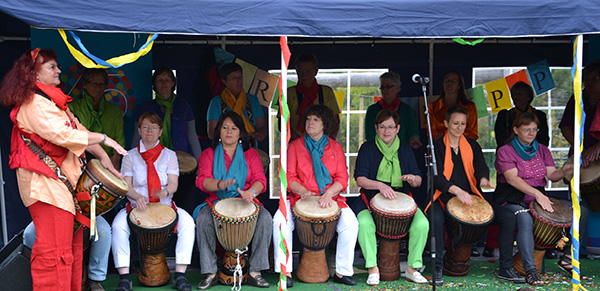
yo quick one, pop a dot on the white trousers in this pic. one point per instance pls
(347, 229)
(183, 249)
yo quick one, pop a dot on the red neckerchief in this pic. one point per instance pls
(310, 94)
(393, 107)
(150, 157)
(56, 94)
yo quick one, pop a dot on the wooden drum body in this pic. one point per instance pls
(235, 221)
(548, 229)
(393, 218)
(589, 181)
(110, 189)
(153, 228)
(465, 224)
(315, 228)
(185, 197)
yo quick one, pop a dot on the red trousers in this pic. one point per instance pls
(57, 255)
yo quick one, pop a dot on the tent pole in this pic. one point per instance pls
(431, 60)
(3, 206)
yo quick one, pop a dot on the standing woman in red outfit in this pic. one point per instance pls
(41, 115)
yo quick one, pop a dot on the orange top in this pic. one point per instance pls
(437, 112)
(42, 117)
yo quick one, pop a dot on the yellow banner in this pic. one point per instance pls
(499, 95)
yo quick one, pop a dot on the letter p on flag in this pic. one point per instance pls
(498, 95)
(541, 77)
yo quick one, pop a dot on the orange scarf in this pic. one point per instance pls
(466, 155)
(237, 105)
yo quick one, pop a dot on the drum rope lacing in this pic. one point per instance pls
(238, 272)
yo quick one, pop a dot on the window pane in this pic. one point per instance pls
(354, 189)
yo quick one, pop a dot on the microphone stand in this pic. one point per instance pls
(431, 165)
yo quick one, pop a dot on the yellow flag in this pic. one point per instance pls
(499, 95)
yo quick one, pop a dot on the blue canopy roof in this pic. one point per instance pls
(340, 18)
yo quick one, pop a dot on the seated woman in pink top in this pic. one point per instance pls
(231, 168)
(317, 166)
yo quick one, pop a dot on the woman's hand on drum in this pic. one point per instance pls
(545, 202)
(462, 195)
(589, 155)
(306, 193)
(141, 201)
(246, 195)
(413, 180)
(107, 163)
(485, 183)
(387, 191)
(224, 184)
(109, 142)
(326, 200)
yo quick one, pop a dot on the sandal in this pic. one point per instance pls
(565, 264)
(181, 284)
(125, 285)
(533, 278)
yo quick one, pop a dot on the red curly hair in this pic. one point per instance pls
(18, 85)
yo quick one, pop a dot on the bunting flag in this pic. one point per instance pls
(520, 76)
(285, 138)
(499, 95)
(541, 77)
(464, 42)
(90, 61)
(578, 146)
(478, 97)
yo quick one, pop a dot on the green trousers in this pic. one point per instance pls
(367, 239)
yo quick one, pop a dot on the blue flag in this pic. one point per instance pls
(541, 77)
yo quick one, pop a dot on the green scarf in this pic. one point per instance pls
(165, 138)
(90, 118)
(389, 168)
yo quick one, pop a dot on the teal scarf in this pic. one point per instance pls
(238, 170)
(389, 168)
(522, 149)
(315, 149)
(165, 137)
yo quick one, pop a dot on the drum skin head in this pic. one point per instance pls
(309, 207)
(187, 162)
(156, 215)
(399, 205)
(264, 158)
(562, 214)
(95, 167)
(235, 208)
(479, 212)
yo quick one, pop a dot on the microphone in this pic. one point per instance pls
(420, 80)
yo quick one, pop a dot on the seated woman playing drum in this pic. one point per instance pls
(151, 170)
(523, 166)
(317, 167)
(462, 170)
(231, 168)
(384, 165)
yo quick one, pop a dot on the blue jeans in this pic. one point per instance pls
(525, 241)
(99, 249)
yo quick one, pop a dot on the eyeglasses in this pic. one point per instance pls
(451, 81)
(530, 130)
(386, 87)
(384, 128)
(98, 85)
(146, 128)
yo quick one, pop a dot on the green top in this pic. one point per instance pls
(408, 122)
(109, 115)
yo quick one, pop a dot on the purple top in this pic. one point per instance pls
(533, 172)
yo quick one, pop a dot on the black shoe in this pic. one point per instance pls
(488, 252)
(208, 282)
(475, 252)
(438, 278)
(551, 254)
(125, 285)
(289, 282)
(511, 276)
(181, 284)
(346, 280)
(258, 281)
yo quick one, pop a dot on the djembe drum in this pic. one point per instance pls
(465, 224)
(548, 229)
(392, 220)
(106, 188)
(153, 228)
(315, 228)
(589, 181)
(185, 196)
(235, 221)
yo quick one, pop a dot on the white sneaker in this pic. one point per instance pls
(373, 279)
(415, 277)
